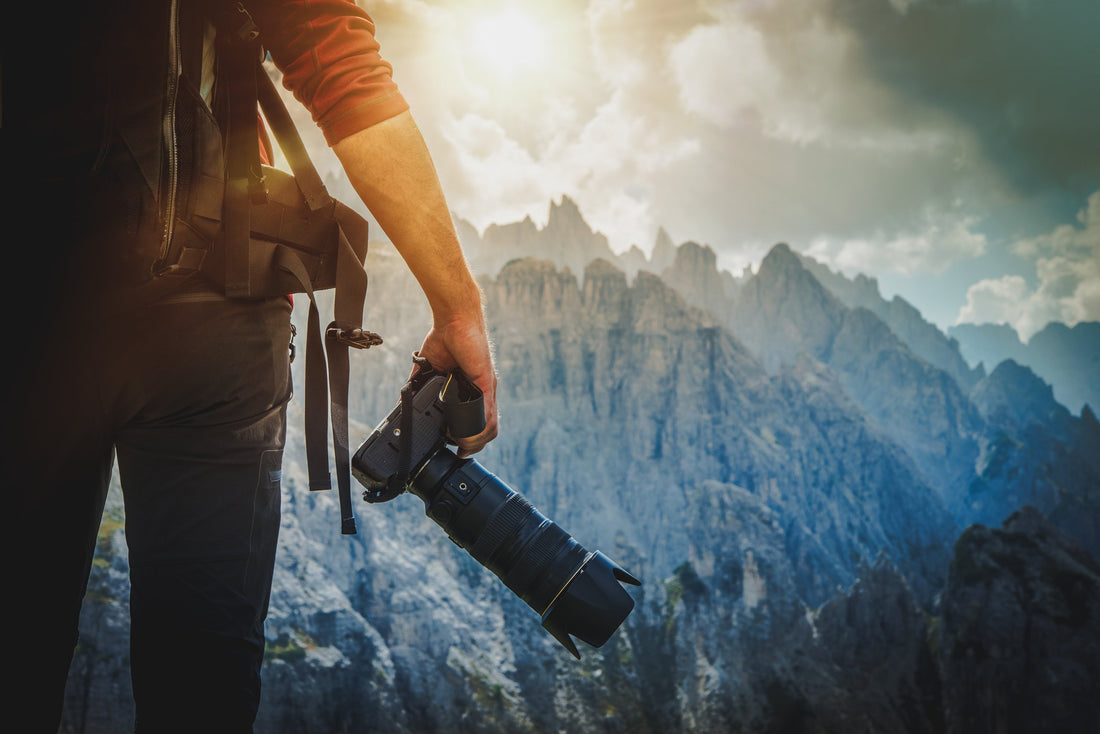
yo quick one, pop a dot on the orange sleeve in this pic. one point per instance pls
(331, 62)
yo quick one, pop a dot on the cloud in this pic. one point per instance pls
(944, 239)
(723, 71)
(499, 170)
(1067, 275)
(790, 70)
(1022, 75)
(607, 164)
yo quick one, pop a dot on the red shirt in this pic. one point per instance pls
(331, 61)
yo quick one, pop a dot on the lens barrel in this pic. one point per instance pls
(576, 592)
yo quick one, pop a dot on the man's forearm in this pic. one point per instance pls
(391, 169)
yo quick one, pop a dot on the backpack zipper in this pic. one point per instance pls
(171, 135)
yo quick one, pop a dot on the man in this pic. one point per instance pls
(188, 392)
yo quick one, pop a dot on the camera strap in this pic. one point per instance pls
(463, 406)
(399, 480)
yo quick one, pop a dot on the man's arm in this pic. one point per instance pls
(331, 60)
(391, 169)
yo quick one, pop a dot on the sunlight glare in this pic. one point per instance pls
(509, 40)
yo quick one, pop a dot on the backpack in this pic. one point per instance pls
(106, 114)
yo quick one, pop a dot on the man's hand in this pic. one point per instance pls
(463, 343)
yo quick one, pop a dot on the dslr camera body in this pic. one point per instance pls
(576, 592)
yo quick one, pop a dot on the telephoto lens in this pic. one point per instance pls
(577, 592)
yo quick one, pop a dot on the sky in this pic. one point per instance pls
(948, 148)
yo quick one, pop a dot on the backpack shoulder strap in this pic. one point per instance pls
(290, 142)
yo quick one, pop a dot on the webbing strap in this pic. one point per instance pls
(290, 142)
(335, 352)
(351, 286)
(351, 292)
(316, 407)
(238, 73)
(339, 374)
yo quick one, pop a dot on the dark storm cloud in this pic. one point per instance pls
(1023, 74)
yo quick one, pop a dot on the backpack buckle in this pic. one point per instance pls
(245, 28)
(357, 337)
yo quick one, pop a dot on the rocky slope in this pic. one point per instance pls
(1020, 633)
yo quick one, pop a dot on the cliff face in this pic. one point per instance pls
(788, 490)
(1020, 642)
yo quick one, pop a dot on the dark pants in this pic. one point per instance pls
(190, 395)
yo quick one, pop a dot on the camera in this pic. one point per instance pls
(577, 592)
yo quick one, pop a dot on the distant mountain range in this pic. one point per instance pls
(840, 524)
(1066, 357)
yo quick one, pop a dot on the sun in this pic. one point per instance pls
(509, 42)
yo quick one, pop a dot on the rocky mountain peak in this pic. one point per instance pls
(782, 272)
(535, 290)
(512, 236)
(922, 337)
(565, 211)
(1015, 393)
(781, 257)
(604, 291)
(663, 253)
(694, 272)
(660, 309)
(783, 310)
(693, 256)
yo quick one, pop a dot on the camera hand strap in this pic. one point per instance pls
(399, 480)
(464, 405)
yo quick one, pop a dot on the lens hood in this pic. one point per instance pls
(592, 605)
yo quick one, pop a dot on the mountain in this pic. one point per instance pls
(1019, 635)
(1038, 454)
(784, 311)
(904, 320)
(694, 272)
(988, 344)
(813, 507)
(1066, 357)
(567, 240)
